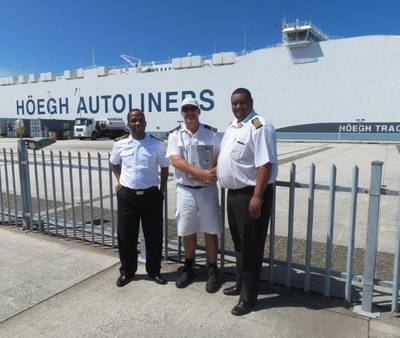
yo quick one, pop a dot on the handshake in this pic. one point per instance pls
(206, 176)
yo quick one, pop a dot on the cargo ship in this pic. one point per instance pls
(309, 86)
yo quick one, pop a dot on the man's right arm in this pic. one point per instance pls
(206, 176)
(174, 153)
(115, 165)
(116, 169)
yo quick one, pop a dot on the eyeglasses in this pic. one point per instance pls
(187, 109)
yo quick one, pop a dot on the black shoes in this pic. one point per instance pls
(123, 280)
(158, 278)
(232, 290)
(213, 283)
(186, 276)
(242, 308)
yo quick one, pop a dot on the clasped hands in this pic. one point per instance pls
(206, 176)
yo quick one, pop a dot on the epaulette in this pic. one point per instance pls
(121, 137)
(176, 128)
(256, 123)
(158, 139)
(211, 128)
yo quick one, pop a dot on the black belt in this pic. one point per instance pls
(249, 189)
(139, 192)
(193, 186)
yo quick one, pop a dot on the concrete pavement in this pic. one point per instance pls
(51, 287)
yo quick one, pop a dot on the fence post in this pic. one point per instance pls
(372, 241)
(25, 185)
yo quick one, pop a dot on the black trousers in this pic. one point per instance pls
(248, 237)
(131, 209)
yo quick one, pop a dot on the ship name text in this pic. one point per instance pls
(118, 103)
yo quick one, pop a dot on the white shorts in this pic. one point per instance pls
(197, 210)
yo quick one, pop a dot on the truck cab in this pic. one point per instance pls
(85, 128)
(91, 128)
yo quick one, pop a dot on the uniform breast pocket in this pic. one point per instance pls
(144, 158)
(238, 150)
(127, 157)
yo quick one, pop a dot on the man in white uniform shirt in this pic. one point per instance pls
(247, 166)
(135, 159)
(197, 207)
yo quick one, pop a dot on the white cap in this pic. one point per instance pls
(190, 101)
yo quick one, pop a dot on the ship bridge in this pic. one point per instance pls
(301, 34)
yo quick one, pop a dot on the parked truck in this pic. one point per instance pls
(93, 129)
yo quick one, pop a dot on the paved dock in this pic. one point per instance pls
(52, 287)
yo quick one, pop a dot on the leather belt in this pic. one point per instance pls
(249, 189)
(139, 192)
(192, 186)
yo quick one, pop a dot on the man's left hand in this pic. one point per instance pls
(255, 207)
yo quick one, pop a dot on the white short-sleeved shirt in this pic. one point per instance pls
(178, 144)
(246, 146)
(139, 160)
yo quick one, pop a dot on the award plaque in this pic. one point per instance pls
(201, 156)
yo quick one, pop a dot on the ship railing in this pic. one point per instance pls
(72, 195)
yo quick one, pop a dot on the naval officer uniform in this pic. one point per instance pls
(197, 204)
(139, 199)
(247, 145)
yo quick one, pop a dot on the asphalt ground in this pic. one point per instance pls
(51, 287)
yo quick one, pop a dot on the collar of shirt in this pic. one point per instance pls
(240, 124)
(133, 140)
(184, 129)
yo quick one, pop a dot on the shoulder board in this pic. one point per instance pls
(211, 128)
(256, 123)
(121, 137)
(176, 128)
(156, 138)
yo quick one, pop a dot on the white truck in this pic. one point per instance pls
(93, 129)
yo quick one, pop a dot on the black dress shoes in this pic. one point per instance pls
(158, 278)
(232, 291)
(123, 280)
(242, 308)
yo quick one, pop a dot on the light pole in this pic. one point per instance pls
(359, 121)
(78, 91)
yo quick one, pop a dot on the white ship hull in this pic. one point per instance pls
(336, 86)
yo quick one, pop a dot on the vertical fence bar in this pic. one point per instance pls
(61, 164)
(81, 195)
(46, 197)
(101, 197)
(272, 239)
(71, 183)
(372, 236)
(222, 240)
(90, 195)
(179, 248)
(352, 232)
(53, 181)
(7, 185)
(329, 236)
(25, 185)
(290, 225)
(396, 267)
(14, 186)
(142, 244)
(166, 230)
(310, 220)
(110, 179)
(37, 191)
(1, 199)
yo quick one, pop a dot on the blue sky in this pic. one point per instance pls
(46, 35)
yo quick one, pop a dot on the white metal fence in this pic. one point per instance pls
(71, 195)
